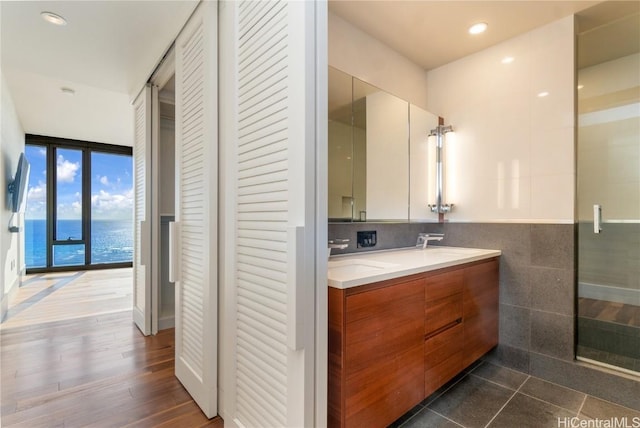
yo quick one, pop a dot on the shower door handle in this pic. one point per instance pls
(597, 218)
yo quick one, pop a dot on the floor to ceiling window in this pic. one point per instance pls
(79, 205)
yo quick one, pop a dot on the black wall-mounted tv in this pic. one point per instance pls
(18, 187)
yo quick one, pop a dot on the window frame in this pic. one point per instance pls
(52, 144)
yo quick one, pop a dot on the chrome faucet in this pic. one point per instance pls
(424, 238)
(339, 244)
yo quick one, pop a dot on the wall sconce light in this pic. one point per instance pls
(440, 207)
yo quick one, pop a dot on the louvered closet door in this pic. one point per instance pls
(272, 153)
(142, 209)
(196, 207)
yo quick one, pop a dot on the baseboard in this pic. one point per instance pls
(165, 323)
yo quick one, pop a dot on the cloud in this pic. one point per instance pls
(37, 193)
(37, 201)
(104, 180)
(71, 208)
(66, 171)
(105, 205)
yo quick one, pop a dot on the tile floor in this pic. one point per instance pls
(488, 395)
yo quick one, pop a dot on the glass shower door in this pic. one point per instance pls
(608, 194)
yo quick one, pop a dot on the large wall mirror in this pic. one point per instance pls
(379, 156)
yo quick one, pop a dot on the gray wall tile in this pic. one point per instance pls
(514, 326)
(552, 290)
(552, 245)
(389, 235)
(610, 257)
(552, 334)
(515, 286)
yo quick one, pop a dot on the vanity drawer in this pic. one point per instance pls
(443, 357)
(443, 300)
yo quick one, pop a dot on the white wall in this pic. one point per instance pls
(513, 155)
(11, 244)
(355, 52)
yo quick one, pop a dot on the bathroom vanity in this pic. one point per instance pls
(402, 323)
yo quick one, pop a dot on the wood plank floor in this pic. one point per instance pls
(91, 367)
(602, 310)
(61, 296)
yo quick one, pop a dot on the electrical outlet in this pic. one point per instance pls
(368, 238)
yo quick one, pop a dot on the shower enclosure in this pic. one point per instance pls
(608, 190)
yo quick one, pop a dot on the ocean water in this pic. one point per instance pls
(111, 242)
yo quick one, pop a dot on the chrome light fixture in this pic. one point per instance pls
(440, 207)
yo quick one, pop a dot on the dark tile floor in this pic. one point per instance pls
(487, 395)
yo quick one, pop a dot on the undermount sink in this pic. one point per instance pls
(356, 266)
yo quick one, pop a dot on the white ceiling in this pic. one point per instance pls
(109, 48)
(106, 53)
(434, 33)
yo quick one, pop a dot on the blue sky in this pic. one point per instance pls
(111, 185)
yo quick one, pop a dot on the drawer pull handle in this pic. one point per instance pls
(443, 329)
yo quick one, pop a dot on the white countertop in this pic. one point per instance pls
(351, 270)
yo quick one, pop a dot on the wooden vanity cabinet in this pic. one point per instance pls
(481, 310)
(376, 352)
(393, 343)
(444, 334)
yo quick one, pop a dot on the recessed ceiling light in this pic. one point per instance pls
(53, 18)
(507, 60)
(68, 91)
(543, 94)
(478, 28)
